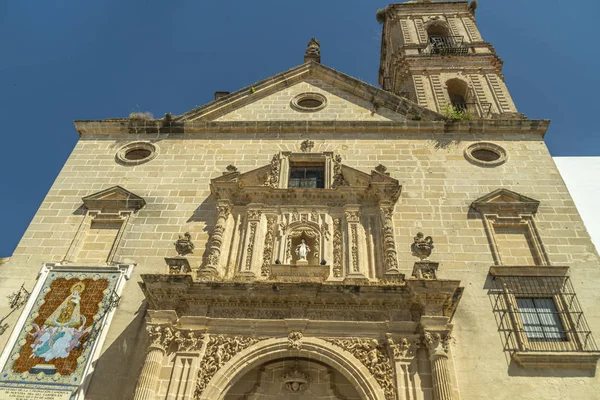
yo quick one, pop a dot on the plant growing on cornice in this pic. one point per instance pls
(380, 14)
(455, 114)
(147, 115)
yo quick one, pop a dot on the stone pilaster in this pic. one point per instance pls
(355, 239)
(160, 338)
(438, 344)
(403, 351)
(216, 241)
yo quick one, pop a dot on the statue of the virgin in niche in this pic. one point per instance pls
(302, 250)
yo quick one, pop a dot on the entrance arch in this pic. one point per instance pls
(312, 348)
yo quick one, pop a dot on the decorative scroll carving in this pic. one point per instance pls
(371, 355)
(389, 243)
(307, 145)
(219, 350)
(268, 251)
(295, 340)
(184, 245)
(273, 175)
(296, 380)
(337, 248)
(404, 348)
(354, 230)
(438, 343)
(187, 342)
(422, 247)
(338, 176)
(251, 236)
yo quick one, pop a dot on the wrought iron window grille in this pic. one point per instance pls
(540, 314)
(307, 177)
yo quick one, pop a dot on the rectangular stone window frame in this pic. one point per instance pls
(525, 222)
(89, 218)
(577, 350)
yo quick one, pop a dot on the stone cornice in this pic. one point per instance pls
(437, 7)
(379, 300)
(98, 129)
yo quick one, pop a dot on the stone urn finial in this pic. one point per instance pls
(422, 246)
(184, 245)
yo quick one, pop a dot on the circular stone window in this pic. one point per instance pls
(136, 153)
(485, 154)
(309, 102)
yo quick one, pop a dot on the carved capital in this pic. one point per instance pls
(438, 343)
(187, 341)
(403, 349)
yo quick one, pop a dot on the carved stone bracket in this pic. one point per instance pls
(295, 340)
(219, 350)
(372, 355)
(425, 270)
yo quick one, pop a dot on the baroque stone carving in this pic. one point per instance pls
(353, 216)
(268, 250)
(338, 176)
(422, 247)
(217, 237)
(187, 342)
(404, 348)
(438, 343)
(425, 270)
(296, 380)
(178, 265)
(389, 243)
(313, 47)
(184, 245)
(160, 336)
(307, 145)
(371, 354)
(251, 236)
(295, 340)
(337, 248)
(231, 168)
(219, 350)
(273, 175)
(354, 230)
(381, 168)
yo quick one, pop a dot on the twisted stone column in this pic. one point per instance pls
(437, 344)
(160, 338)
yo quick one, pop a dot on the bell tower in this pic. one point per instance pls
(433, 54)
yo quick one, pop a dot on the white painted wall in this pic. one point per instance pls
(582, 177)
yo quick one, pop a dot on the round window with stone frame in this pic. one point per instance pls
(136, 153)
(485, 154)
(309, 102)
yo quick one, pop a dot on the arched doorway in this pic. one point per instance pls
(294, 379)
(319, 357)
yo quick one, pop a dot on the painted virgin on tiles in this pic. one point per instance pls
(55, 343)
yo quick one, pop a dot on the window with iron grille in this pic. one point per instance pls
(306, 176)
(540, 319)
(540, 314)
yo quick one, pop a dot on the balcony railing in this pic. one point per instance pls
(446, 45)
(475, 110)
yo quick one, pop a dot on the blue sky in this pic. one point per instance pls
(64, 60)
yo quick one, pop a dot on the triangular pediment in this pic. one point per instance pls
(268, 184)
(114, 198)
(503, 200)
(347, 99)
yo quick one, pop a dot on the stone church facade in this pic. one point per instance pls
(311, 236)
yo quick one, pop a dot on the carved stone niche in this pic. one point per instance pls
(343, 216)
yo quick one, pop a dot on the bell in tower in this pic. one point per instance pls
(432, 53)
